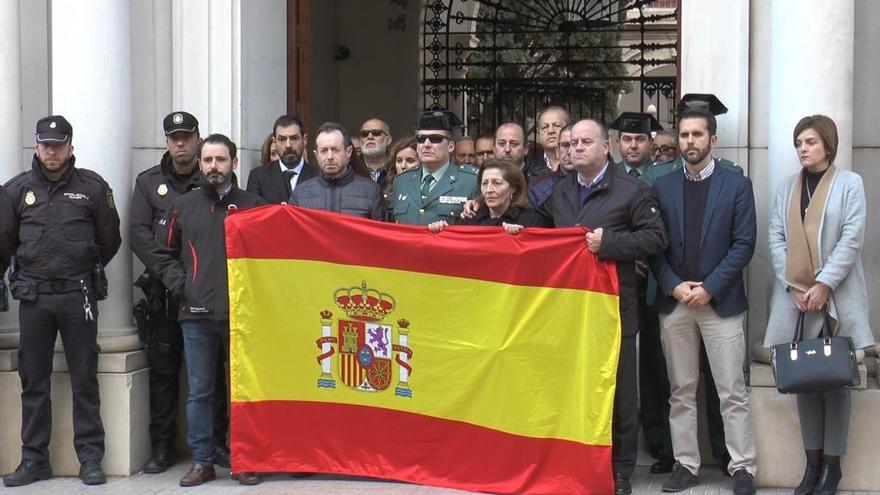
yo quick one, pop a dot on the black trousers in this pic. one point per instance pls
(41, 321)
(165, 357)
(625, 420)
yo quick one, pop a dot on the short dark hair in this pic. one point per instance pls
(333, 126)
(288, 120)
(824, 127)
(700, 113)
(219, 139)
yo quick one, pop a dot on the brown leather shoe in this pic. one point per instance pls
(249, 479)
(197, 475)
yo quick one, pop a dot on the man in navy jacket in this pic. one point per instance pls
(709, 213)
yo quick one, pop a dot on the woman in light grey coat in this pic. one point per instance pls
(816, 239)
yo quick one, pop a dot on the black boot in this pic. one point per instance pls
(27, 472)
(828, 480)
(811, 473)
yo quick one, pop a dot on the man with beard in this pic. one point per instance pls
(156, 314)
(438, 189)
(277, 180)
(709, 103)
(484, 148)
(464, 153)
(338, 188)
(709, 211)
(621, 213)
(375, 138)
(191, 261)
(65, 228)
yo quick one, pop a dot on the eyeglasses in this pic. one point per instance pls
(372, 132)
(664, 149)
(434, 138)
(485, 153)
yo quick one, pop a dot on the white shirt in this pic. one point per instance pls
(298, 169)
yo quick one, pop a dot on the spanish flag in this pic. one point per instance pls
(470, 359)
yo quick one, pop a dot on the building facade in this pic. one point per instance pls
(115, 68)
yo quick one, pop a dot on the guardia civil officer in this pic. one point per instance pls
(67, 231)
(156, 314)
(438, 189)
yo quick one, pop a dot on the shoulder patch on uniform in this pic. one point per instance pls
(110, 202)
(468, 169)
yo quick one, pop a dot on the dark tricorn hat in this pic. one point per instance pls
(701, 100)
(439, 120)
(180, 122)
(636, 123)
(53, 129)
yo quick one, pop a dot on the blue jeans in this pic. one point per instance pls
(202, 340)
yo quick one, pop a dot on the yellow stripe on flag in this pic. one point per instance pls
(504, 338)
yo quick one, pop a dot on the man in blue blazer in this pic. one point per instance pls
(709, 213)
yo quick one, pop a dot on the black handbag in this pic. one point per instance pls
(815, 365)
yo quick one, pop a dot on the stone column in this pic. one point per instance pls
(811, 72)
(91, 86)
(10, 131)
(710, 65)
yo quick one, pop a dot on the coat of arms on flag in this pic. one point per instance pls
(363, 343)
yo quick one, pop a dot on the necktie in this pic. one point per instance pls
(288, 175)
(426, 186)
(635, 172)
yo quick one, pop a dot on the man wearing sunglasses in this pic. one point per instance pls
(375, 139)
(438, 189)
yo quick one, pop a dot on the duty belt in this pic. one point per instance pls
(58, 286)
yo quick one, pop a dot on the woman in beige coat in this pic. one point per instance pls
(816, 239)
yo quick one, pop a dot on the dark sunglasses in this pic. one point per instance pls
(434, 138)
(372, 132)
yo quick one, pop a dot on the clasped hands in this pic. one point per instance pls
(691, 294)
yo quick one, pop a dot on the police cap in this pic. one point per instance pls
(54, 129)
(439, 120)
(180, 122)
(701, 100)
(636, 123)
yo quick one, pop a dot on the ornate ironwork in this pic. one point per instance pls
(499, 60)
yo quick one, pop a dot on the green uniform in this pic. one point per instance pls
(444, 201)
(660, 169)
(625, 168)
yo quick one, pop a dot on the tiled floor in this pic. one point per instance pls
(643, 482)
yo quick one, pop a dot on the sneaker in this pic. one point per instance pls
(742, 483)
(681, 479)
(27, 472)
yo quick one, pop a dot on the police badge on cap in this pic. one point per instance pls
(53, 129)
(180, 122)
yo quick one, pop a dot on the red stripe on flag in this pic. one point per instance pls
(317, 437)
(284, 232)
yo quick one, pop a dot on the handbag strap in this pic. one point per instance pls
(799, 328)
(826, 324)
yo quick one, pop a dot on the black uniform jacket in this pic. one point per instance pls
(268, 181)
(626, 210)
(154, 190)
(62, 228)
(191, 253)
(8, 232)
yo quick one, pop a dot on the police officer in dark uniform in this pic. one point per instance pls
(156, 314)
(67, 231)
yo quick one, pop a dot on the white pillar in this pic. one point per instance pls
(712, 62)
(811, 72)
(91, 87)
(10, 131)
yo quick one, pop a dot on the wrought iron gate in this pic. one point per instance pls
(492, 61)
